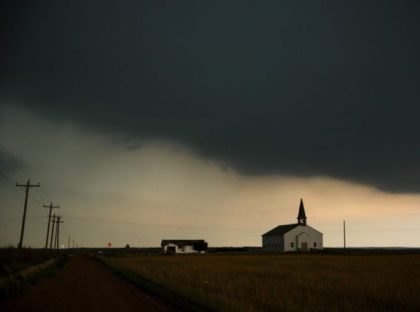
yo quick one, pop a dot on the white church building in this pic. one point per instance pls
(293, 237)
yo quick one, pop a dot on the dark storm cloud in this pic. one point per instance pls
(296, 87)
(8, 164)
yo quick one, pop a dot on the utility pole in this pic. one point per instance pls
(344, 233)
(52, 232)
(68, 243)
(27, 186)
(49, 221)
(57, 232)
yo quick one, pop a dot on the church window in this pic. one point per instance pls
(314, 244)
(292, 245)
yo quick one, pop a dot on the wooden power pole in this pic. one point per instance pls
(344, 234)
(57, 232)
(27, 186)
(50, 206)
(52, 232)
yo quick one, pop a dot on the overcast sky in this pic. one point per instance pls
(150, 120)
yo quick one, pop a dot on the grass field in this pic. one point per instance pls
(13, 260)
(19, 267)
(286, 282)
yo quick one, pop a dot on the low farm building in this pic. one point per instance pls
(180, 246)
(293, 237)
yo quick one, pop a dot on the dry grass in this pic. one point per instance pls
(13, 260)
(287, 282)
(20, 267)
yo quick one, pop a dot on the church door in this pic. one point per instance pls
(303, 242)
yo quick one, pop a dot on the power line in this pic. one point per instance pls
(28, 218)
(7, 177)
(105, 221)
(35, 200)
(10, 177)
(43, 192)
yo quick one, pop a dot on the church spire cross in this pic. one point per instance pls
(301, 215)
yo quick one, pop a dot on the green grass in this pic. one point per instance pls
(285, 282)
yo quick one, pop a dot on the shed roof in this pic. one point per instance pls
(181, 242)
(281, 229)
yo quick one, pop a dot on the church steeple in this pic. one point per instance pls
(301, 215)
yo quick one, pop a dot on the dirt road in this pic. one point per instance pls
(83, 285)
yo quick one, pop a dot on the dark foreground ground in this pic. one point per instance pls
(83, 285)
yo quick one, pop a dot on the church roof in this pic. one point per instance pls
(281, 229)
